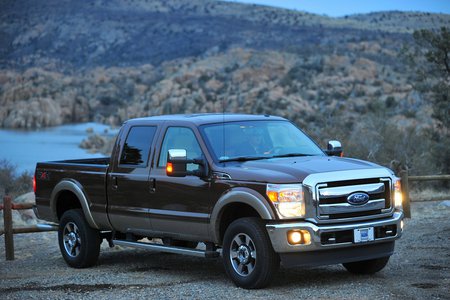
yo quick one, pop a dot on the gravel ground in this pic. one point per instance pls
(419, 269)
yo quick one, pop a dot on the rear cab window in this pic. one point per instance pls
(136, 149)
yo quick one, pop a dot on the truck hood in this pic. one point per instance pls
(293, 169)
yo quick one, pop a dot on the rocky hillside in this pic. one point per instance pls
(77, 35)
(75, 61)
(302, 88)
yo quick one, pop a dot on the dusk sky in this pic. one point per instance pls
(339, 8)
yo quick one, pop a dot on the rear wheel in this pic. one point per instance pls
(248, 256)
(367, 266)
(78, 242)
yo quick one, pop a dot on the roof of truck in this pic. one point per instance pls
(206, 118)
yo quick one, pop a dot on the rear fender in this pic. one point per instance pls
(76, 188)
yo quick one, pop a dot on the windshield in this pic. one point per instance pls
(249, 140)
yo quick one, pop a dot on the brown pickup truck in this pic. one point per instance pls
(255, 190)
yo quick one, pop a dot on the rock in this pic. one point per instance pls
(33, 113)
(22, 218)
(93, 141)
(25, 217)
(26, 198)
(214, 85)
(96, 143)
(444, 204)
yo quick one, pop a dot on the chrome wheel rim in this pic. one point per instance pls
(71, 239)
(243, 254)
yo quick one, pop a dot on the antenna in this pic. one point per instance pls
(223, 122)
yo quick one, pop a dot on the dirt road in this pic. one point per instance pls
(419, 269)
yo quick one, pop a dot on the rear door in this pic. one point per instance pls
(129, 187)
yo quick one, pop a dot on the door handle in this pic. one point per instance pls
(115, 186)
(152, 188)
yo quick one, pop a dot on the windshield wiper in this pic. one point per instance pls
(248, 158)
(290, 155)
(244, 158)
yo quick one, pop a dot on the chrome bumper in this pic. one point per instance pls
(278, 234)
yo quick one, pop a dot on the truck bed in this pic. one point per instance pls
(88, 161)
(88, 174)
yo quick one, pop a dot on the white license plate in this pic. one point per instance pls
(363, 235)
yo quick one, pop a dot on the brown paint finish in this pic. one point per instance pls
(128, 187)
(142, 199)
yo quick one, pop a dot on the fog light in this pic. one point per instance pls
(297, 237)
(306, 237)
(401, 225)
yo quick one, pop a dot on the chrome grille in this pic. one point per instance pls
(333, 204)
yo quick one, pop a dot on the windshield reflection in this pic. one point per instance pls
(252, 140)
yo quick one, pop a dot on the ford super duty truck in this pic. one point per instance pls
(255, 190)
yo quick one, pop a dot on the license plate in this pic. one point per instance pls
(363, 235)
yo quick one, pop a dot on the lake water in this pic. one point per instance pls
(25, 148)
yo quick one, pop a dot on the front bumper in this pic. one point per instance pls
(327, 237)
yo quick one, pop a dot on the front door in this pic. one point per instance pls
(181, 205)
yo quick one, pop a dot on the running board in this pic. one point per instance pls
(168, 249)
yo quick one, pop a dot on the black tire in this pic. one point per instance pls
(367, 266)
(78, 242)
(248, 256)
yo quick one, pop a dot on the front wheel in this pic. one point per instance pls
(367, 266)
(78, 242)
(248, 256)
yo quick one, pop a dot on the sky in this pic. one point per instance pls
(339, 8)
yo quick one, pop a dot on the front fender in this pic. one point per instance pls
(76, 188)
(239, 195)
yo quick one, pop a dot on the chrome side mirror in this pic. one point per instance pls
(175, 154)
(334, 148)
(176, 163)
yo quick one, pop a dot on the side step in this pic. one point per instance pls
(168, 249)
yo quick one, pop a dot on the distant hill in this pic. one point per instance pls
(74, 35)
(108, 61)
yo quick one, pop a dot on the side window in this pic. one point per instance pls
(137, 146)
(180, 138)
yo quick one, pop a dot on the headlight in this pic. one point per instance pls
(398, 197)
(288, 199)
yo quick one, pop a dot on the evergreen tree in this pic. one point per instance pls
(436, 50)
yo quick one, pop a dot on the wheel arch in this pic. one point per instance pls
(69, 194)
(238, 203)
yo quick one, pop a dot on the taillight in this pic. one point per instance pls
(34, 183)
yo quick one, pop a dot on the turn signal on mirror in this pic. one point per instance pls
(169, 168)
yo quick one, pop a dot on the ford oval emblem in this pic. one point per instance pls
(358, 199)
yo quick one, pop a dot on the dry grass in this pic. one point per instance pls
(429, 194)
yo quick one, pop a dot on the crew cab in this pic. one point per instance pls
(255, 190)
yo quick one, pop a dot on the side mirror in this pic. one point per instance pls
(177, 164)
(334, 148)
